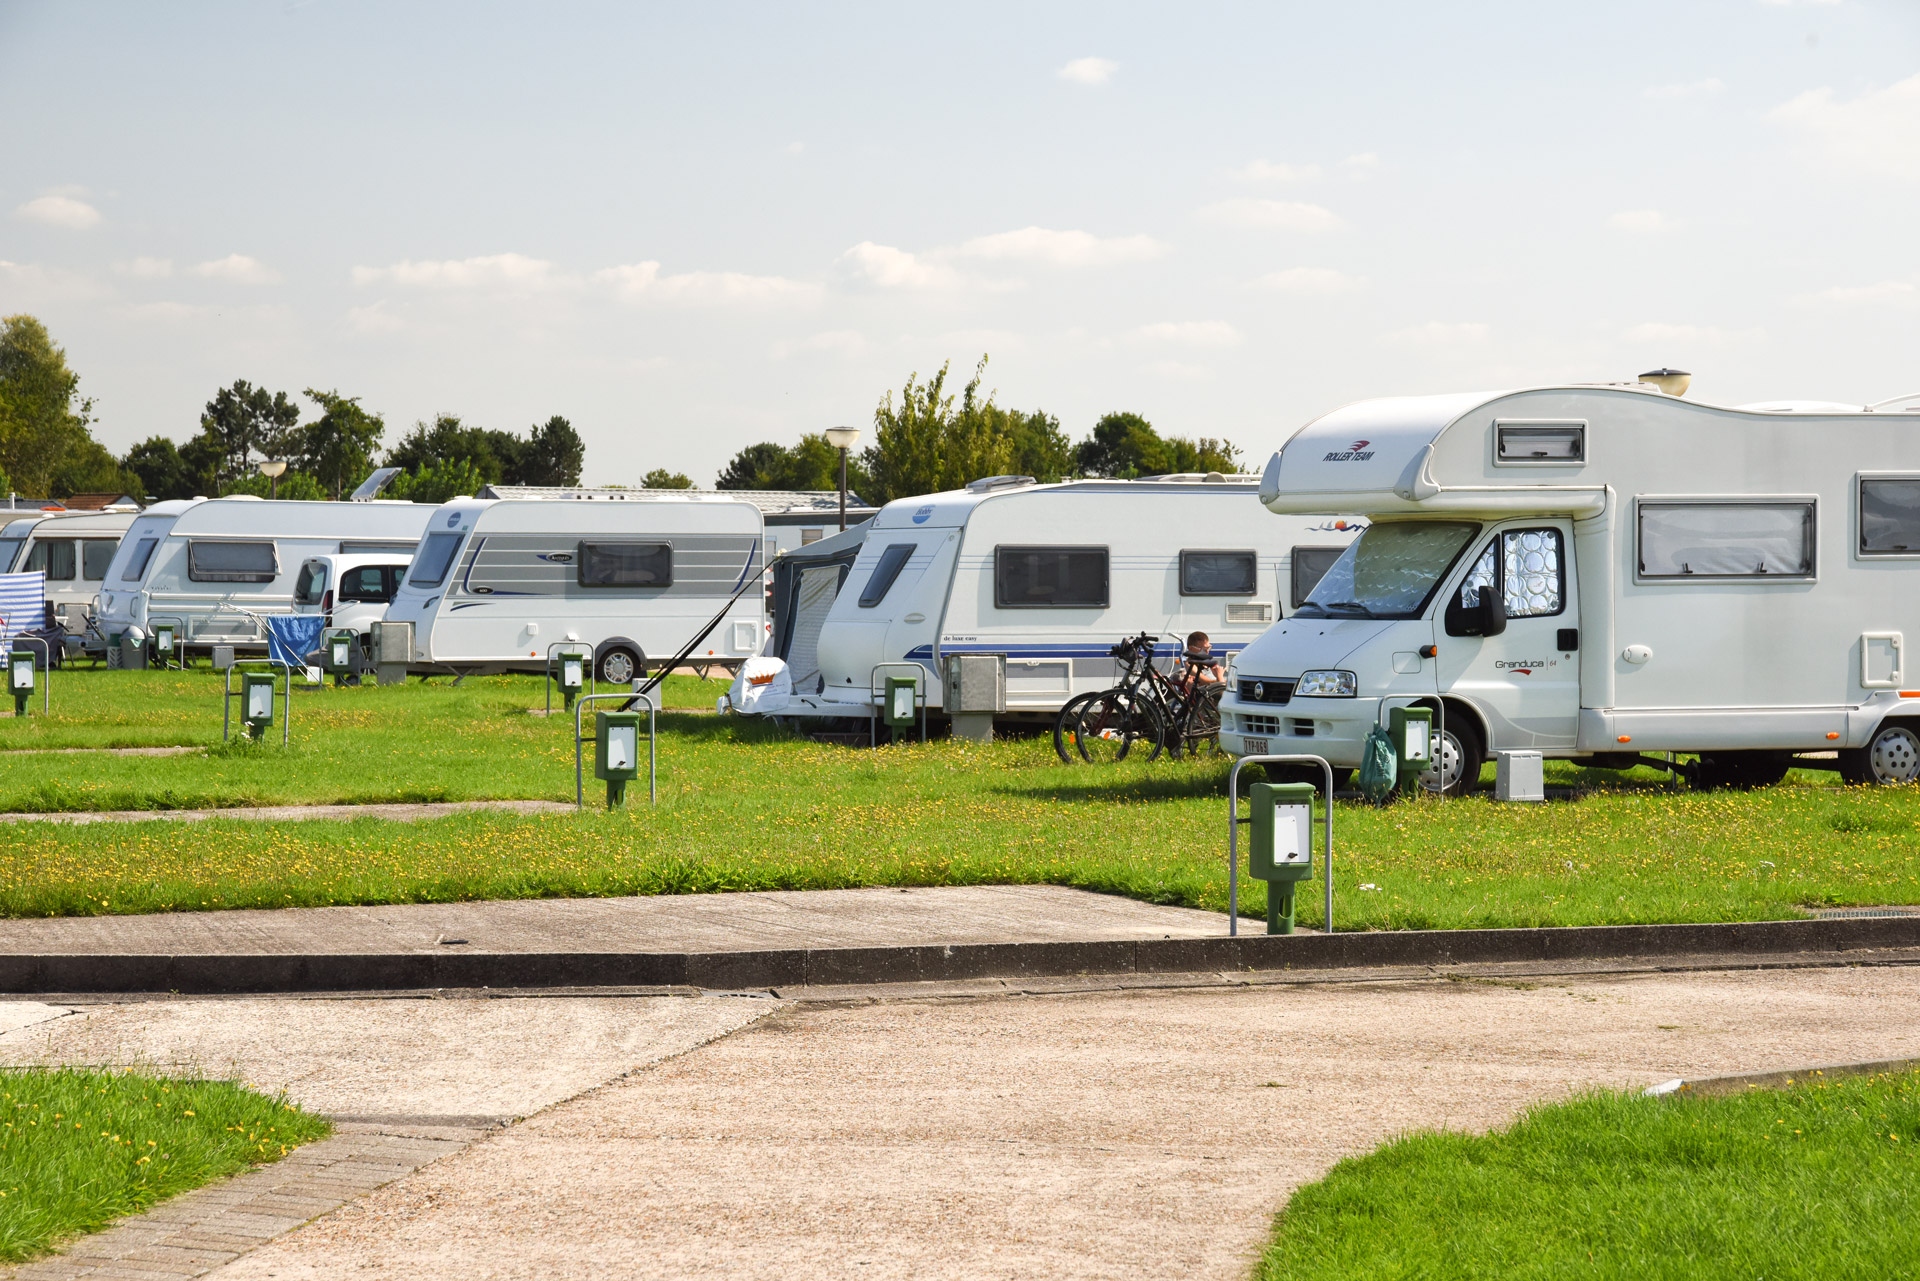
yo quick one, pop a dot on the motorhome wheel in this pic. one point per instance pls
(1892, 757)
(620, 665)
(1461, 757)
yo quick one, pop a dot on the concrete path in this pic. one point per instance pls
(1114, 1134)
(100, 751)
(401, 812)
(659, 923)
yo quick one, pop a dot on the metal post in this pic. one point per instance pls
(1233, 832)
(653, 740)
(843, 489)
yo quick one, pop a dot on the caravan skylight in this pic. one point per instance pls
(1561, 444)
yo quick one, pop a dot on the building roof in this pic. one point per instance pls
(99, 502)
(771, 502)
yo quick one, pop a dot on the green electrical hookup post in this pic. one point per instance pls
(20, 679)
(616, 753)
(1280, 848)
(1411, 729)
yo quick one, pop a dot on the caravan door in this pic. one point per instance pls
(1526, 679)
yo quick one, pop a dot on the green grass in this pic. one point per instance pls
(80, 1148)
(745, 806)
(1820, 1181)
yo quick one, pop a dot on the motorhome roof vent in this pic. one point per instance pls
(988, 483)
(1674, 382)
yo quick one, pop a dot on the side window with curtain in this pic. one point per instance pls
(1890, 516)
(54, 558)
(236, 562)
(95, 555)
(1726, 540)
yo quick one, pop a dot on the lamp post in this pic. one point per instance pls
(842, 439)
(271, 468)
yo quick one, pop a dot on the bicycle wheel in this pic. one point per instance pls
(1200, 727)
(1109, 725)
(1063, 727)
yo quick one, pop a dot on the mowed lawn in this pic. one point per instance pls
(745, 806)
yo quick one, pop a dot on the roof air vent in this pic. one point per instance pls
(987, 484)
(1674, 382)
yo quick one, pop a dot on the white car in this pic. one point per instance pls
(350, 591)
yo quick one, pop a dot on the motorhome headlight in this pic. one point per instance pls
(1326, 684)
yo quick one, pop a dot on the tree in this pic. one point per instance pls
(242, 419)
(493, 454)
(89, 469)
(156, 464)
(437, 482)
(1126, 445)
(661, 478)
(292, 485)
(1040, 449)
(753, 467)
(927, 444)
(336, 449)
(43, 418)
(812, 464)
(553, 454)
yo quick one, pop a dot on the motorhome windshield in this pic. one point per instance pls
(435, 558)
(9, 548)
(1390, 571)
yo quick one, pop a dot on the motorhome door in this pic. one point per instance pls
(1525, 677)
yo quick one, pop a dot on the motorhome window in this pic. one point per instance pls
(311, 583)
(1889, 517)
(1562, 443)
(1308, 566)
(224, 562)
(435, 557)
(95, 555)
(54, 559)
(1530, 573)
(1050, 577)
(1726, 540)
(1391, 571)
(137, 563)
(885, 570)
(626, 565)
(1219, 573)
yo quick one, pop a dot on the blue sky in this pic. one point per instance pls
(689, 228)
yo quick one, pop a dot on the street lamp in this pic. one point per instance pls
(271, 469)
(842, 439)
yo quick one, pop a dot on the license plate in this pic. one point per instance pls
(1257, 747)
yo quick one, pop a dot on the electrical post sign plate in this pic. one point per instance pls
(20, 679)
(616, 755)
(340, 653)
(1281, 848)
(256, 707)
(1411, 729)
(900, 701)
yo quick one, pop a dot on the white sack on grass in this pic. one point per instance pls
(763, 686)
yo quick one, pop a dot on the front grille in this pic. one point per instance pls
(1261, 689)
(1257, 724)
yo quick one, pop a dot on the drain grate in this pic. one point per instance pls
(1855, 913)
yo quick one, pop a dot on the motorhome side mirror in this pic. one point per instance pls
(1493, 609)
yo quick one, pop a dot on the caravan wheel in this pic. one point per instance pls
(621, 666)
(1892, 757)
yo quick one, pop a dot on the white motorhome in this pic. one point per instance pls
(497, 583)
(1603, 573)
(72, 550)
(1052, 576)
(213, 567)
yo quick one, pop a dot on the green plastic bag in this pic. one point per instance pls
(1379, 766)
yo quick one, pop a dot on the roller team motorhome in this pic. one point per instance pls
(1602, 573)
(498, 582)
(73, 551)
(1051, 576)
(213, 566)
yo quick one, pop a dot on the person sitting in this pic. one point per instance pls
(1199, 667)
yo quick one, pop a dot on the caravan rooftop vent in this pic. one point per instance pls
(1674, 382)
(988, 483)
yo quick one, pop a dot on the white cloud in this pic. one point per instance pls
(1088, 71)
(60, 211)
(1691, 89)
(1188, 333)
(1787, 4)
(1361, 162)
(1267, 171)
(1272, 215)
(239, 269)
(493, 271)
(1640, 222)
(1877, 133)
(643, 279)
(374, 319)
(148, 268)
(795, 148)
(1885, 291)
(1309, 280)
(1656, 332)
(1436, 333)
(162, 312)
(1061, 248)
(833, 342)
(892, 268)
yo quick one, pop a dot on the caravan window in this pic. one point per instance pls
(1890, 516)
(1530, 573)
(137, 563)
(1218, 573)
(626, 565)
(885, 570)
(223, 562)
(434, 559)
(1308, 565)
(1056, 577)
(95, 555)
(1726, 540)
(1558, 444)
(54, 559)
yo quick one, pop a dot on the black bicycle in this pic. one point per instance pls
(1147, 710)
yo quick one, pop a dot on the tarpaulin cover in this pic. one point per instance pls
(291, 637)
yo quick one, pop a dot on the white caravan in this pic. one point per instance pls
(212, 567)
(72, 550)
(498, 583)
(1600, 572)
(1053, 576)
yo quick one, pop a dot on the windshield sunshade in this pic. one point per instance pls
(1390, 571)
